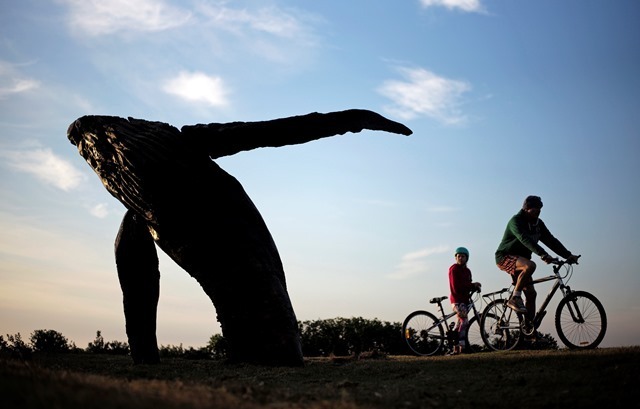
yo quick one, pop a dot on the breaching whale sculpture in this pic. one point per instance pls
(178, 198)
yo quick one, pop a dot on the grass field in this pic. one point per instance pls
(601, 378)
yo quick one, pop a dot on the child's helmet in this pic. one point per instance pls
(462, 250)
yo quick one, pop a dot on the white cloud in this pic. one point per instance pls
(265, 20)
(17, 86)
(425, 93)
(99, 17)
(278, 35)
(464, 5)
(198, 87)
(46, 166)
(100, 210)
(11, 82)
(231, 34)
(416, 262)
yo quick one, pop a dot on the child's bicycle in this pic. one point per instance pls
(581, 321)
(426, 334)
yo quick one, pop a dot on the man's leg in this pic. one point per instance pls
(524, 269)
(522, 273)
(530, 300)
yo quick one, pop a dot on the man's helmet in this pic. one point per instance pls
(462, 250)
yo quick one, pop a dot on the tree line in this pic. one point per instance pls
(322, 337)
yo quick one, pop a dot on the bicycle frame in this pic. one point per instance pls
(542, 310)
(564, 289)
(580, 318)
(422, 327)
(445, 317)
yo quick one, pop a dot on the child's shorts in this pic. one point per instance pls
(461, 309)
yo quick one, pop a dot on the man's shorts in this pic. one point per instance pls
(508, 264)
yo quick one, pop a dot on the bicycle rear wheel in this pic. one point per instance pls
(500, 326)
(580, 320)
(423, 333)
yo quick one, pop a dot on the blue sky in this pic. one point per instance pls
(505, 99)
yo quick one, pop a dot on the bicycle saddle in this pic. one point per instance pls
(437, 299)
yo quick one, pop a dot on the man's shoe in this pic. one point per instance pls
(516, 304)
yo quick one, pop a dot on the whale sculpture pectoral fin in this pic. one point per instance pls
(230, 138)
(137, 264)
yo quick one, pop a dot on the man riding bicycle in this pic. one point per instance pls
(513, 255)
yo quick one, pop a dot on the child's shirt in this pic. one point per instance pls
(460, 284)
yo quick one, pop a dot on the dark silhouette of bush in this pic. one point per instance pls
(350, 336)
(50, 341)
(172, 351)
(98, 346)
(338, 337)
(217, 346)
(543, 341)
(15, 347)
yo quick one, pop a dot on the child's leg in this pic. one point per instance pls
(462, 331)
(462, 312)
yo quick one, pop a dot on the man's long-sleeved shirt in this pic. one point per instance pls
(521, 239)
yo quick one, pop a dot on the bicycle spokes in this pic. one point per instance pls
(581, 321)
(500, 326)
(422, 333)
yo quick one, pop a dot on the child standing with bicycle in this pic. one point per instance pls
(461, 287)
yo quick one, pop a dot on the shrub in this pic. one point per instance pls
(353, 336)
(117, 348)
(543, 341)
(217, 347)
(14, 346)
(98, 346)
(50, 341)
(171, 351)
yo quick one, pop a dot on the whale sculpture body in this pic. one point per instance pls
(178, 198)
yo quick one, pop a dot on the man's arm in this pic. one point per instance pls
(553, 243)
(519, 229)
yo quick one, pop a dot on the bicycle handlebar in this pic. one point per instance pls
(558, 262)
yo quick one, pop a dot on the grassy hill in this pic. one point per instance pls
(516, 379)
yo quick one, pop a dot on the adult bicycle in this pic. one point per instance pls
(580, 320)
(426, 334)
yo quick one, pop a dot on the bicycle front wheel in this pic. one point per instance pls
(580, 320)
(500, 326)
(423, 333)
